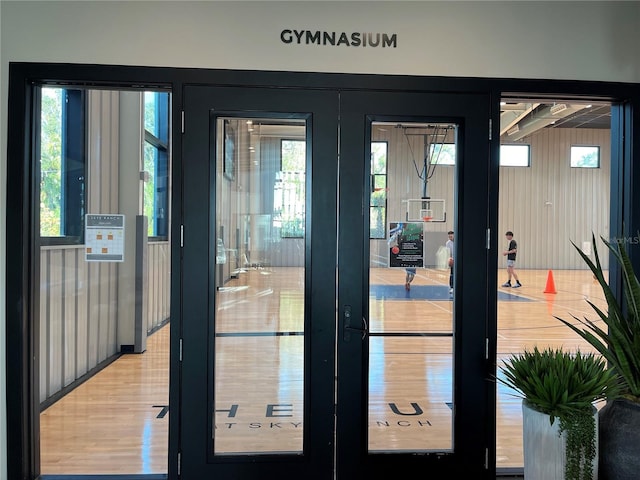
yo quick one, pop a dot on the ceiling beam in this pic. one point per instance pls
(538, 119)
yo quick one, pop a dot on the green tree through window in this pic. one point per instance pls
(289, 194)
(378, 202)
(51, 162)
(156, 162)
(63, 163)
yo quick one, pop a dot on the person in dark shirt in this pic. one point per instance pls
(510, 253)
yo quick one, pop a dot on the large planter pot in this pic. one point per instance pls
(619, 422)
(544, 447)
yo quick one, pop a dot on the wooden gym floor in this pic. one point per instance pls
(117, 421)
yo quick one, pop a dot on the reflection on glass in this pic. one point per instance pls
(410, 394)
(91, 309)
(259, 320)
(553, 156)
(410, 299)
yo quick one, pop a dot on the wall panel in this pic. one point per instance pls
(55, 331)
(546, 205)
(79, 315)
(81, 298)
(70, 285)
(550, 204)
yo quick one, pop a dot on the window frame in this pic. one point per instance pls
(374, 176)
(294, 234)
(522, 145)
(444, 146)
(73, 139)
(597, 151)
(160, 220)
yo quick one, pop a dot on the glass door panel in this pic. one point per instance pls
(413, 383)
(260, 285)
(258, 332)
(410, 391)
(411, 287)
(103, 269)
(308, 353)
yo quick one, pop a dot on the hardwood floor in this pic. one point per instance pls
(117, 421)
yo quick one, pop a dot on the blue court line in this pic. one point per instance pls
(427, 292)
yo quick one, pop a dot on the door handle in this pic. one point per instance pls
(347, 317)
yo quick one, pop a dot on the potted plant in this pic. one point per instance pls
(559, 389)
(618, 340)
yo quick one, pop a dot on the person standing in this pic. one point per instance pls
(410, 275)
(511, 253)
(449, 246)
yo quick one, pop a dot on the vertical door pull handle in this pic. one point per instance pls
(346, 317)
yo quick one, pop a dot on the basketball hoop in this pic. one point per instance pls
(427, 219)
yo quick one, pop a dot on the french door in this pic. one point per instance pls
(308, 350)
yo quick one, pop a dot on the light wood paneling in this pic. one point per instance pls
(70, 316)
(82, 318)
(549, 204)
(159, 279)
(79, 312)
(546, 205)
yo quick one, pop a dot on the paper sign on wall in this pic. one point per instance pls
(104, 238)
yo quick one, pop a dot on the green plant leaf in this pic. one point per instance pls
(619, 343)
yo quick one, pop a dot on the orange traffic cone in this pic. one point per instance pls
(551, 286)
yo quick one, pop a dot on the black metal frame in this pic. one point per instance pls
(21, 308)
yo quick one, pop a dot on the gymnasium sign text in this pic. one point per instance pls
(339, 39)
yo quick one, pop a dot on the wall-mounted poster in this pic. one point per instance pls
(406, 244)
(104, 238)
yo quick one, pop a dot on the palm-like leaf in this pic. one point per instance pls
(559, 383)
(619, 343)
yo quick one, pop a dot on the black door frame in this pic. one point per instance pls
(319, 109)
(473, 419)
(22, 376)
(473, 396)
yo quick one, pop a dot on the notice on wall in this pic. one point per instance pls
(406, 244)
(104, 238)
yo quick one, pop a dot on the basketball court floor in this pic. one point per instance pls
(117, 421)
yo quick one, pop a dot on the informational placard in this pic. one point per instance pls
(406, 244)
(104, 238)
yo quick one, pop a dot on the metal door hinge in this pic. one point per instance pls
(180, 350)
(490, 124)
(181, 236)
(182, 121)
(488, 238)
(179, 463)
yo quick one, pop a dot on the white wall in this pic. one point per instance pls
(558, 40)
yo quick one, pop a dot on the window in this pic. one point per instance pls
(63, 160)
(515, 155)
(156, 162)
(378, 202)
(442, 153)
(289, 194)
(585, 156)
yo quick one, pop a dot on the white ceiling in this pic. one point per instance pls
(519, 119)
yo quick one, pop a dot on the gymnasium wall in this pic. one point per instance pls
(551, 204)
(87, 309)
(547, 205)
